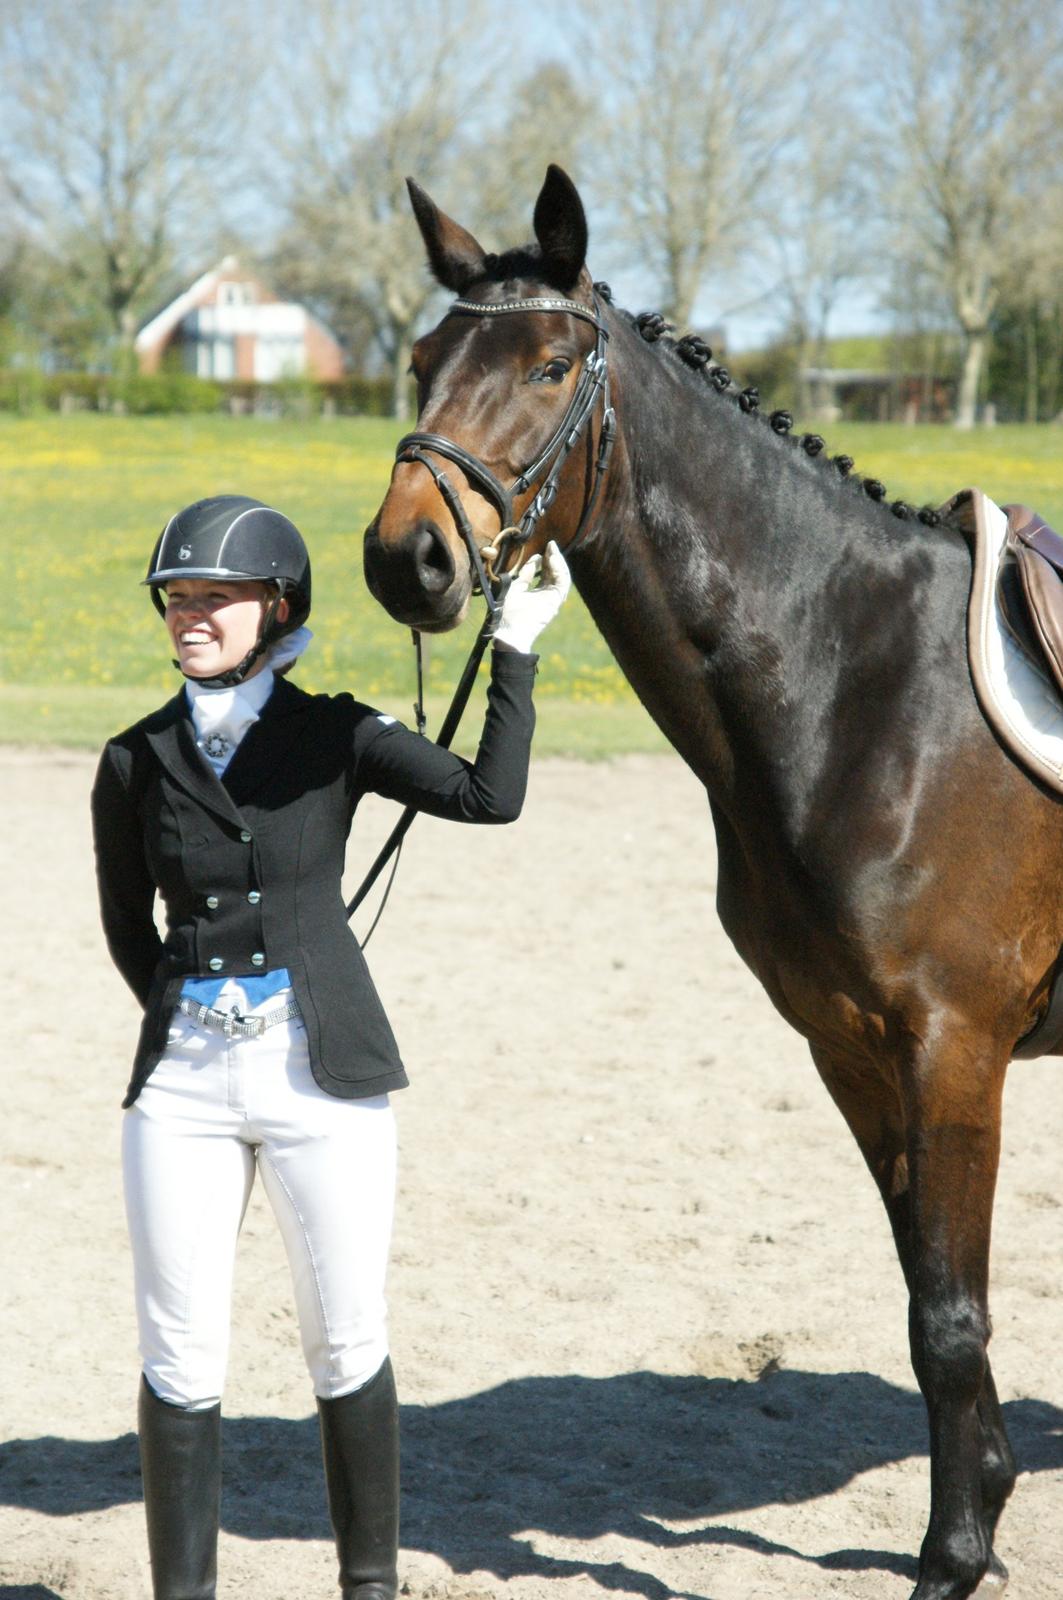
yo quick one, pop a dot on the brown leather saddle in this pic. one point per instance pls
(1031, 589)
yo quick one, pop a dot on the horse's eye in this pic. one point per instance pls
(552, 371)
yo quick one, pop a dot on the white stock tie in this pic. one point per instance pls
(223, 716)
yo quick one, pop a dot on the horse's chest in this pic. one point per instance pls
(815, 990)
(798, 931)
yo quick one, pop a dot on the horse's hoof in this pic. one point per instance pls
(994, 1583)
(989, 1587)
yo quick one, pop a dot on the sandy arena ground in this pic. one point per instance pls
(647, 1324)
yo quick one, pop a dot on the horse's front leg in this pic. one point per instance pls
(953, 1103)
(930, 1136)
(998, 1477)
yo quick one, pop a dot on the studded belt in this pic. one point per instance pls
(231, 1023)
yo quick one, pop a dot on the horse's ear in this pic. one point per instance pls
(453, 254)
(561, 229)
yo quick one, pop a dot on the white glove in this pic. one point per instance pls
(527, 611)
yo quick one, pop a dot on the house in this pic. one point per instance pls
(866, 395)
(228, 324)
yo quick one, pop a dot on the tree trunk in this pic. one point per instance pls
(400, 377)
(1053, 362)
(125, 356)
(1032, 377)
(805, 393)
(967, 398)
(126, 323)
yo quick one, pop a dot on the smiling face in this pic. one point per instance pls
(213, 624)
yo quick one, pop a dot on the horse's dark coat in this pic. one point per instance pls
(888, 873)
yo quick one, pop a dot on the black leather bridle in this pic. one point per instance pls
(489, 563)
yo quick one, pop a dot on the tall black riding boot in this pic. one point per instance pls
(360, 1443)
(180, 1462)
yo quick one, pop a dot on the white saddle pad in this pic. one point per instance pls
(1018, 698)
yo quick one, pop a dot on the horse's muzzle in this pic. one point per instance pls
(415, 578)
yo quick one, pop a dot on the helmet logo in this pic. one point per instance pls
(185, 553)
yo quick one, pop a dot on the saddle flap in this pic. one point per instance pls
(1028, 530)
(1014, 610)
(1042, 585)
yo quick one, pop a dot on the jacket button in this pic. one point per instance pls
(253, 897)
(245, 837)
(212, 902)
(258, 959)
(215, 963)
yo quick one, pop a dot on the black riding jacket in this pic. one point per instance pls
(249, 865)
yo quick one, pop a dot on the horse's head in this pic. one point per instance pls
(513, 419)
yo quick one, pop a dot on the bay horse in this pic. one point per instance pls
(891, 876)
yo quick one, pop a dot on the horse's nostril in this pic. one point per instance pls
(435, 564)
(415, 576)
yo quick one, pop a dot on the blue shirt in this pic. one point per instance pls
(258, 987)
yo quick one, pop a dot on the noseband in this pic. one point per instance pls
(489, 563)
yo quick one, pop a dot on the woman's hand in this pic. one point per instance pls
(526, 611)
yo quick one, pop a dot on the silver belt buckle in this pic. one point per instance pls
(232, 1021)
(255, 1026)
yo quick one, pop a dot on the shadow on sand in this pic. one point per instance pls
(570, 1457)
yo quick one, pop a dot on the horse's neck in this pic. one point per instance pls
(724, 558)
(631, 603)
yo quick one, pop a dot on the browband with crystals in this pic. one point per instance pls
(480, 308)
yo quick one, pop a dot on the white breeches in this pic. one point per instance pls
(212, 1110)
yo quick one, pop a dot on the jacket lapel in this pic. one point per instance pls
(171, 737)
(267, 742)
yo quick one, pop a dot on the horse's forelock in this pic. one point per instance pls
(523, 262)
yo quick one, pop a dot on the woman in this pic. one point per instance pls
(263, 1042)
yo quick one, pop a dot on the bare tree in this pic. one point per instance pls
(117, 117)
(1031, 303)
(371, 98)
(13, 251)
(700, 96)
(971, 90)
(823, 237)
(548, 116)
(918, 306)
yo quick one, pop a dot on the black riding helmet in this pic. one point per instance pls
(232, 537)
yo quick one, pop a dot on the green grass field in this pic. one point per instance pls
(83, 652)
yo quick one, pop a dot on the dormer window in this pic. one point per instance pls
(236, 294)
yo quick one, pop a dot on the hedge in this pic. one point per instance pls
(169, 393)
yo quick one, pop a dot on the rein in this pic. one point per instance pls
(489, 563)
(393, 844)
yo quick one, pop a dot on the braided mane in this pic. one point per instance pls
(696, 354)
